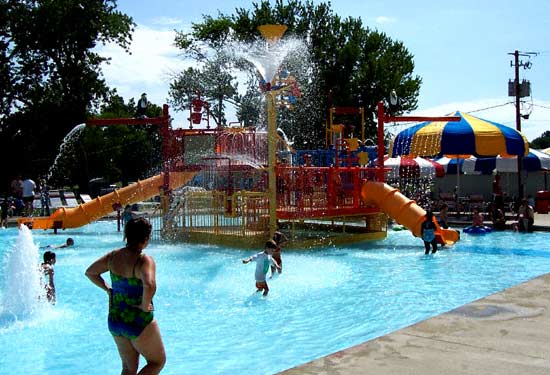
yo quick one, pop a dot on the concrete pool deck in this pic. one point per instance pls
(505, 333)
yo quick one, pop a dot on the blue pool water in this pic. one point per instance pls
(213, 323)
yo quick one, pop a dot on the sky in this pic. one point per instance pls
(462, 51)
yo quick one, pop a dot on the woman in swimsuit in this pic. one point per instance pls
(133, 286)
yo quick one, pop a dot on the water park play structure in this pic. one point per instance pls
(236, 186)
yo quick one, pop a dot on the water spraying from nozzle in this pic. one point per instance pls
(24, 294)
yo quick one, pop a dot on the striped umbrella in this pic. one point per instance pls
(403, 167)
(533, 162)
(469, 136)
(451, 165)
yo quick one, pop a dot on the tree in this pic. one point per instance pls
(212, 81)
(541, 142)
(51, 76)
(116, 153)
(347, 64)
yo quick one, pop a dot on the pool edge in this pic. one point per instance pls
(505, 333)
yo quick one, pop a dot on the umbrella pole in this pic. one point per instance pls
(457, 199)
(457, 178)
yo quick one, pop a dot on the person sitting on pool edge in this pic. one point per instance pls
(427, 232)
(525, 218)
(497, 217)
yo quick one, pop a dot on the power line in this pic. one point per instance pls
(540, 106)
(401, 124)
(491, 107)
(472, 111)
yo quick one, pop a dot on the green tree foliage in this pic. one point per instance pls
(541, 142)
(348, 65)
(115, 153)
(212, 81)
(50, 75)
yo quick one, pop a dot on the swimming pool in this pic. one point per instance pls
(212, 322)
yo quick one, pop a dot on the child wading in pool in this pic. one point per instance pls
(48, 271)
(280, 239)
(427, 231)
(263, 261)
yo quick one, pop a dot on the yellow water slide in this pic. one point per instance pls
(97, 208)
(403, 210)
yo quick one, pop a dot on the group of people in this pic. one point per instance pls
(21, 200)
(23, 195)
(133, 286)
(525, 217)
(525, 213)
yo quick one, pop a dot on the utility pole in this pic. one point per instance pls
(518, 122)
(519, 90)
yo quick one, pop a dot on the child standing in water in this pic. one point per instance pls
(47, 270)
(263, 261)
(427, 232)
(280, 239)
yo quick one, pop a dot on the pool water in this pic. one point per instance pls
(211, 320)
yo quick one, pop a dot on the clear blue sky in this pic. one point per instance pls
(461, 50)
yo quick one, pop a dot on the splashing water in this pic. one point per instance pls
(24, 292)
(243, 160)
(65, 147)
(267, 59)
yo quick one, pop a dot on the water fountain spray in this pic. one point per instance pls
(24, 294)
(272, 33)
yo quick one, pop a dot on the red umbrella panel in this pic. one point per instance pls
(403, 167)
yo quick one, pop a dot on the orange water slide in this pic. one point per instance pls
(97, 208)
(403, 210)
